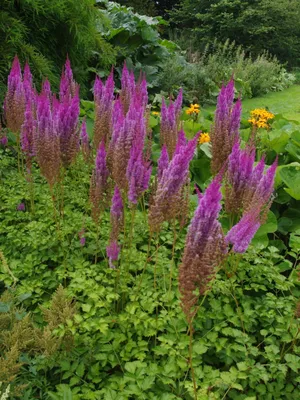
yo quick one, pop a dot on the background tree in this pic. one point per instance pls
(257, 25)
(44, 32)
(151, 7)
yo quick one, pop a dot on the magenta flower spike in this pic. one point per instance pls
(127, 132)
(163, 162)
(168, 196)
(27, 83)
(85, 143)
(66, 117)
(241, 234)
(21, 207)
(3, 141)
(238, 178)
(15, 99)
(46, 141)
(127, 88)
(266, 185)
(99, 183)
(46, 89)
(68, 87)
(101, 170)
(103, 97)
(178, 104)
(138, 174)
(27, 133)
(142, 93)
(117, 204)
(225, 131)
(204, 248)
(169, 123)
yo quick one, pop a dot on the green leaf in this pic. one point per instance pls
(290, 175)
(4, 307)
(294, 242)
(293, 361)
(278, 140)
(80, 370)
(293, 146)
(199, 348)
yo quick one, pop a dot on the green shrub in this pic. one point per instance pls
(137, 39)
(44, 32)
(205, 72)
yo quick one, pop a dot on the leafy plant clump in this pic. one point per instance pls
(202, 73)
(169, 302)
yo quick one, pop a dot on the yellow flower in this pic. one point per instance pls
(204, 138)
(193, 109)
(260, 118)
(155, 113)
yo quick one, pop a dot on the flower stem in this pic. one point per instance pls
(191, 360)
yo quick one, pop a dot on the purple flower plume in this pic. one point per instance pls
(3, 141)
(169, 124)
(27, 134)
(21, 207)
(168, 196)
(15, 100)
(162, 162)
(46, 141)
(99, 183)
(138, 174)
(85, 143)
(225, 132)
(204, 248)
(239, 174)
(66, 117)
(103, 97)
(68, 87)
(128, 132)
(112, 252)
(241, 234)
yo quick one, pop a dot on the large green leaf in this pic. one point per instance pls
(277, 140)
(293, 146)
(290, 221)
(290, 175)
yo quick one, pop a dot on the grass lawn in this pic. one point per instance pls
(286, 102)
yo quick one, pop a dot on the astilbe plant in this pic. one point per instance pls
(15, 99)
(132, 91)
(204, 250)
(103, 97)
(247, 186)
(85, 143)
(99, 184)
(46, 141)
(128, 131)
(225, 130)
(167, 198)
(169, 123)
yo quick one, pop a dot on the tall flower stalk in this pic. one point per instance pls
(169, 125)
(225, 130)
(103, 97)
(99, 184)
(167, 198)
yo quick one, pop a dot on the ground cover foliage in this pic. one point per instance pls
(121, 333)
